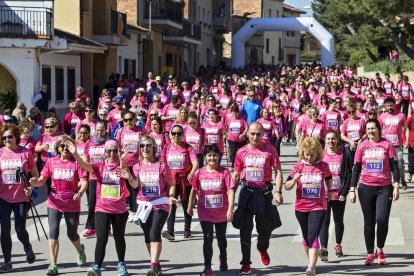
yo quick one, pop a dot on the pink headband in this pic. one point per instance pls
(111, 143)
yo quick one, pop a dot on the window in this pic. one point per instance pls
(204, 15)
(280, 50)
(267, 45)
(277, 13)
(47, 79)
(208, 56)
(292, 33)
(270, 13)
(273, 60)
(199, 12)
(59, 83)
(208, 17)
(169, 60)
(71, 82)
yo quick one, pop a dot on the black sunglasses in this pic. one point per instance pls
(176, 133)
(88, 110)
(145, 146)
(47, 127)
(126, 120)
(10, 137)
(109, 151)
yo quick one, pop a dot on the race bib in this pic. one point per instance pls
(311, 190)
(150, 184)
(332, 124)
(214, 201)
(175, 161)
(374, 165)
(393, 138)
(336, 183)
(354, 135)
(234, 128)
(110, 191)
(254, 174)
(265, 134)
(132, 141)
(9, 177)
(213, 139)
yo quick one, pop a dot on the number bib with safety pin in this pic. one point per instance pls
(9, 177)
(393, 138)
(254, 174)
(234, 127)
(131, 139)
(176, 161)
(214, 201)
(336, 183)
(332, 124)
(110, 191)
(213, 139)
(374, 165)
(311, 190)
(354, 135)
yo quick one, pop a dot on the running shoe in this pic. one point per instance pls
(370, 259)
(167, 235)
(187, 233)
(264, 257)
(81, 256)
(52, 270)
(89, 233)
(245, 270)
(338, 251)
(310, 272)
(207, 272)
(30, 255)
(122, 270)
(323, 254)
(94, 270)
(6, 267)
(131, 217)
(404, 185)
(380, 257)
(223, 264)
(153, 271)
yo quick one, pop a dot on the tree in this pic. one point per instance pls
(375, 22)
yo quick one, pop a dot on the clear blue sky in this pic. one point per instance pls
(300, 4)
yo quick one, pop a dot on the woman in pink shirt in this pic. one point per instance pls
(214, 131)
(352, 132)
(374, 163)
(182, 160)
(314, 127)
(14, 196)
(157, 133)
(215, 190)
(341, 170)
(110, 209)
(236, 127)
(69, 182)
(311, 176)
(26, 139)
(47, 141)
(82, 139)
(72, 118)
(194, 136)
(89, 120)
(156, 193)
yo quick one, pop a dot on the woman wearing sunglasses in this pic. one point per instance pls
(82, 139)
(47, 141)
(182, 160)
(110, 208)
(95, 155)
(352, 132)
(194, 136)
(129, 135)
(69, 182)
(214, 131)
(14, 194)
(89, 120)
(153, 178)
(157, 133)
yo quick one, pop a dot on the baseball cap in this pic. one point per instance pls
(118, 99)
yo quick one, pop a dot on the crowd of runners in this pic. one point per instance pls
(146, 148)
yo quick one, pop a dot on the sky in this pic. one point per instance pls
(300, 4)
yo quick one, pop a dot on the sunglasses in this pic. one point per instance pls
(156, 101)
(371, 114)
(109, 151)
(145, 146)
(109, 102)
(176, 133)
(338, 102)
(88, 110)
(10, 137)
(62, 146)
(381, 112)
(103, 114)
(47, 127)
(126, 120)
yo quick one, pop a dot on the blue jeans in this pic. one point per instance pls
(400, 158)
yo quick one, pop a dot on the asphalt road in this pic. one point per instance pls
(185, 257)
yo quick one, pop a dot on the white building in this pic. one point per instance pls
(33, 52)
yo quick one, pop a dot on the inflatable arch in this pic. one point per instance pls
(282, 24)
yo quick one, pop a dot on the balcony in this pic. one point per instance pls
(26, 22)
(163, 13)
(292, 40)
(221, 15)
(221, 23)
(190, 34)
(109, 27)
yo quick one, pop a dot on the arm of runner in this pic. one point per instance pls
(86, 166)
(231, 195)
(191, 199)
(82, 186)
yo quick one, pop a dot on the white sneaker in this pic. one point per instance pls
(131, 217)
(135, 218)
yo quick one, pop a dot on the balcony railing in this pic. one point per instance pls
(26, 22)
(164, 10)
(191, 30)
(108, 22)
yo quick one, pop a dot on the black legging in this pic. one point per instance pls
(311, 224)
(153, 226)
(338, 209)
(184, 204)
(277, 144)
(208, 234)
(233, 148)
(102, 222)
(411, 160)
(132, 199)
(72, 221)
(90, 221)
(376, 206)
(20, 210)
(263, 231)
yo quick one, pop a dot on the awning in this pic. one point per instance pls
(79, 44)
